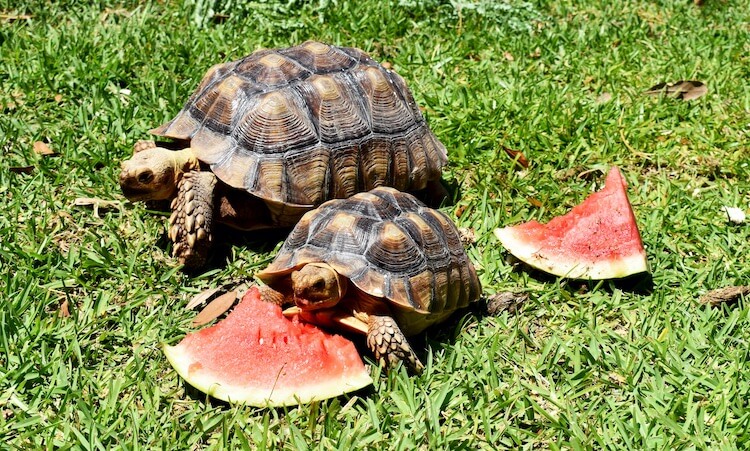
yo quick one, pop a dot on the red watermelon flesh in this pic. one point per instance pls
(257, 356)
(597, 239)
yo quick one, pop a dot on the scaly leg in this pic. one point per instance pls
(191, 223)
(388, 343)
(268, 294)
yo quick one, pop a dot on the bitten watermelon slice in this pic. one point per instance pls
(258, 357)
(597, 239)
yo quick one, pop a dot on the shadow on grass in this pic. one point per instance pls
(641, 283)
(226, 238)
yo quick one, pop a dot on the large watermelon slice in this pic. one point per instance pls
(597, 239)
(257, 356)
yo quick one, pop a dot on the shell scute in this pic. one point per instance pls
(272, 69)
(339, 112)
(275, 125)
(388, 111)
(321, 58)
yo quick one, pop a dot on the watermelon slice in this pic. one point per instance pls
(257, 356)
(597, 239)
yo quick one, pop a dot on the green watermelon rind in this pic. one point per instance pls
(277, 397)
(536, 245)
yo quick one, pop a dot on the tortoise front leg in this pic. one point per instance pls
(268, 294)
(388, 343)
(191, 223)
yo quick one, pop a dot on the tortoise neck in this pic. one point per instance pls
(184, 161)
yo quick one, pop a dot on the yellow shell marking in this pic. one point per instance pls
(326, 88)
(317, 48)
(343, 221)
(393, 237)
(272, 60)
(379, 82)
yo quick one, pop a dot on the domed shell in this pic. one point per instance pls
(389, 245)
(309, 123)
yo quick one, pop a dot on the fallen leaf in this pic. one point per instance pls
(12, 17)
(215, 308)
(22, 169)
(467, 235)
(617, 378)
(517, 156)
(589, 174)
(535, 202)
(219, 18)
(97, 204)
(202, 297)
(460, 210)
(42, 148)
(58, 98)
(725, 295)
(505, 301)
(114, 12)
(536, 53)
(508, 56)
(683, 89)
(95, 201)
(64, 310)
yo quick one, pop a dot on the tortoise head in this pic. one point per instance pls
(152, 174)
(317, 286)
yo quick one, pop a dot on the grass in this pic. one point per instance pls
(580, 366)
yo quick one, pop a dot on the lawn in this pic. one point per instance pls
(90, 294)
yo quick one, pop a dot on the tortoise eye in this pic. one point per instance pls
(145, 177)
(319, 285)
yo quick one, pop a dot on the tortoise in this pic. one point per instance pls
(265, 139)
(380, 262)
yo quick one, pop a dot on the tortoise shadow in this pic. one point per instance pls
(196, 395)
(227, 238)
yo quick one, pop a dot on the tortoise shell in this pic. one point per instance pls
(301, 125)
(390, 246)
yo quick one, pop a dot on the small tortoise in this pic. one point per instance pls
(271, 136)
(379, 262)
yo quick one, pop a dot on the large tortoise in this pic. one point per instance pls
(380, 262)
(269, 137)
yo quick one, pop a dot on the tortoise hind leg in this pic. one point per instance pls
(388, 343)
(191, 223)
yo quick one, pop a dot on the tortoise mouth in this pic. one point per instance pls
(311, 304)
(136, 194)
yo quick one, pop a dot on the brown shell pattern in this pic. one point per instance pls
(389, 245)
(309, 123)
